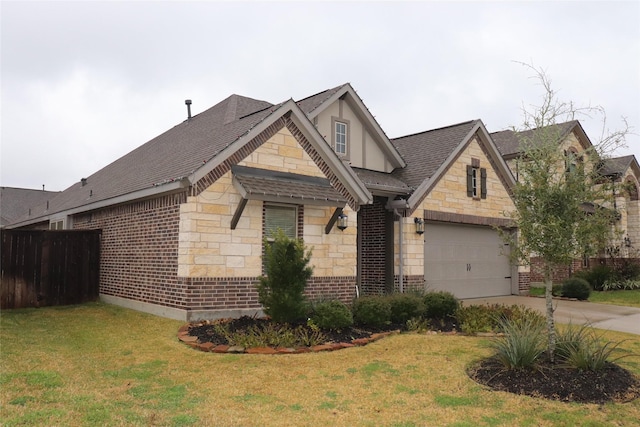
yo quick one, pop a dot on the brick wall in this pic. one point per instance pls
(560, 274)
(139, 250)
(374, 242)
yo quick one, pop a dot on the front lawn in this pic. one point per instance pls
(630, 298)
(97, 364)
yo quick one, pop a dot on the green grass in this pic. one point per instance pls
(97, 364)
(626, 298)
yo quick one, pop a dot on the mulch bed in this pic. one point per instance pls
(612, 384)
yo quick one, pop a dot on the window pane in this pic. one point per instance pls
(283, 217)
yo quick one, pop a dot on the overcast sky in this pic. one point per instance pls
(83, 83)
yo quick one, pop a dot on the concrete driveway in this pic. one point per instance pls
(602, 316)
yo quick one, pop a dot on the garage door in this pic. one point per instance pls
(468, 261)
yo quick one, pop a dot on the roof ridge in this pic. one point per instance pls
(436, 129)
(322, 91)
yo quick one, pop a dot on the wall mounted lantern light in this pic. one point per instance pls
(627, 241)
(343, 221)
(419, 225)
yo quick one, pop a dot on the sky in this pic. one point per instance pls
(84, 83)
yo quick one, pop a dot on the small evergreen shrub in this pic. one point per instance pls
(597, 276)
(576, 288)
(522, 345)
(331, 314)
(405, 307)
(440, 304)
(371, 311)
(490, 318)
(281, 291)
(475, 318)
(556, 290)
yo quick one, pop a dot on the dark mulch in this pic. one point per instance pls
(612, 384)
(207, 333)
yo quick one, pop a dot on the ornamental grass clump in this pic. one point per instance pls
(522, 343)
(281, 290)
(583, 348)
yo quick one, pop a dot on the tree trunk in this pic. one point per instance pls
(551, 330)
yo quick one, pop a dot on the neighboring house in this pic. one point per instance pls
(573, 141)
(16, 202)
(183, 217)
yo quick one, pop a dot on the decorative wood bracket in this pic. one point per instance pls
(332, 220)
(238, 213)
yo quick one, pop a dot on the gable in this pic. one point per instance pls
(368, 147)
(363, 150)
(282, 153)
(449, 194)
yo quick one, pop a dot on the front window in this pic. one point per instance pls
(282, 217)
(341, 138)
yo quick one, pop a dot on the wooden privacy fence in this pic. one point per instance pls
(43, 268)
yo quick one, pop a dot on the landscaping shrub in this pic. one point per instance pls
(281, 291)
(627, 269)
(582, 348)
(489, 318)
(597, 276)
(617, 285)
(523, 342)
(475, 318)
(405, 307)
(576, 288)
(371, 311)
(331, 314)
(439, 305)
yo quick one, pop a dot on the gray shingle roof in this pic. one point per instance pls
(15, 202)
(508, 141)
(616, 166)
(425, 152)
(168, 157)
(310, 103)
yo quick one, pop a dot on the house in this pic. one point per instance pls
(573, 141)
(183, 216)
(16, 202)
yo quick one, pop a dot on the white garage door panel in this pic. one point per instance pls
(469, 261)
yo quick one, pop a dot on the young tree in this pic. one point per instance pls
(563, 207)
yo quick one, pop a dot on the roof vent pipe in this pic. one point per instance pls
(83, 181)
(188, 104)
